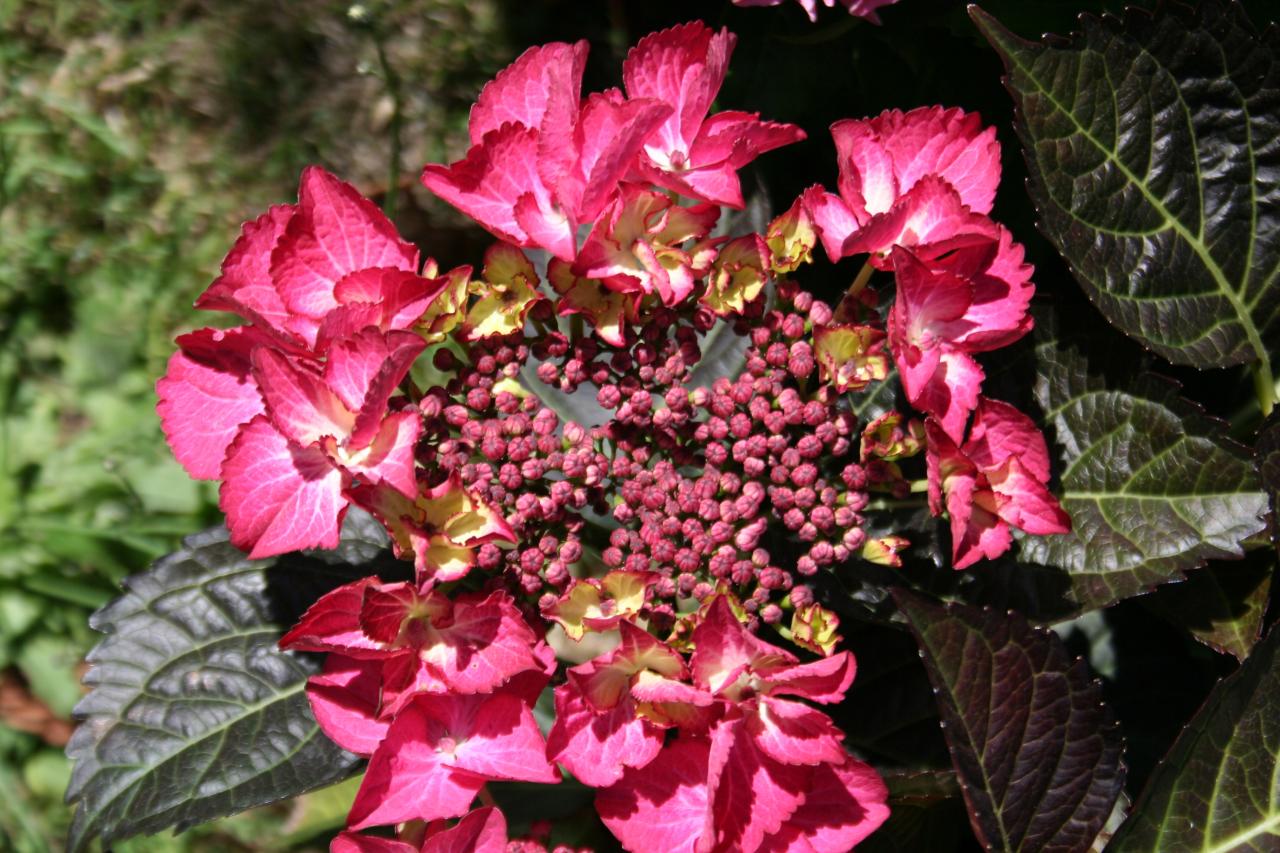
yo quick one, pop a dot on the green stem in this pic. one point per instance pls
(392, 81)
(864, 275)
(1264, 386)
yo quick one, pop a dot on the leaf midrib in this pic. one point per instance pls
(1224, 286)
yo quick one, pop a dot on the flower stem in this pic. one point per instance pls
(864, 275)
(1264, 386)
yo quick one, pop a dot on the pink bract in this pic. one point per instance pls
(541, 163)
(994, 481)
(693, 154)
(860, 8)
(908, 179)
(972, 301)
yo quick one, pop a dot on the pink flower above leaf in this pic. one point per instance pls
(696, 156)
(441, 750)
(947, 310)
(860, 8)
(995, 481)
(540, 164)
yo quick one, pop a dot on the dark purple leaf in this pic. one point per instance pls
(1036, 751)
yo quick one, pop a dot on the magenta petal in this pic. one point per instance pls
(486, 642)
(723, 649)
(976, 532)
(824, 680)
(492, 735)
(390, 458)
(354, 842)
(609, 135)
(867, 181)
(332, 624)
(793, 733)
(297, 400)
(408, 777)
(366, 367)
(488, 182)
(540, 90)
(752, 794)
(335, 232)
(832, 217)
(948, 143)
(1001, 432)
(480, 831)
(279, 497)
(344, 699)
(206, 395)
(683, 66)
(598, 747)
(663, 805)
(1024, 502)
(844, 804)
(245, 286)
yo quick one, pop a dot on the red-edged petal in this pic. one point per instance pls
(952, 392)
(844, 804)
(298, 401)
(833, 219)
(344, 699)
(931, 213)
(206, 395)
(354, 842)
(723, 649)
(487, 183)
(335, 232)
(481, 831)
(867, 181)
(1023, 501)
(824, 680)
(793, 733)
(752, 795)
(976, 531)
(1001, 432)
(486, 642)
(597, 747)
(608, 137)
(332, 624)
(409, 778)
(245, 286)
(390, 456)
(949, 143)
(683, 66)
(492, 735)
(279, 497)
(663, 805)
(540, 90)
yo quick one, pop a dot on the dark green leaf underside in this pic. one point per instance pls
(1152, 487)
(1036, 751)
(194, 714)
(1218, 789)
(1153, 146)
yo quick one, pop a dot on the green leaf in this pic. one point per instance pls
(1151, 149)
(194, 713)
(1036, 751)
(1152, 485)
(1221, 605)
(1216, 791)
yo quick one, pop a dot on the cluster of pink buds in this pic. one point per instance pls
(628, 566)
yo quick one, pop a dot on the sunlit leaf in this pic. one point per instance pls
(1151, 143)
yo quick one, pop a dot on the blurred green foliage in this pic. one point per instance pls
(135, 136)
